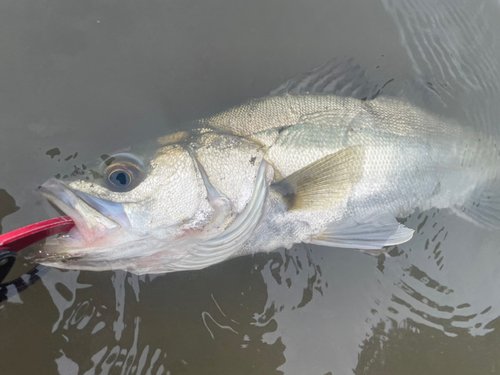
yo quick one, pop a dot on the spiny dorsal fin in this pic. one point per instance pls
(324, 183)
(339, 76)
(305, 94)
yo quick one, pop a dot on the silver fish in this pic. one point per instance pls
(321, 160)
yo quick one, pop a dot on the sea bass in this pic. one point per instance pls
(323, 160)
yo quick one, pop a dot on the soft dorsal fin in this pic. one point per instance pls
(324, 183)
(339, 76)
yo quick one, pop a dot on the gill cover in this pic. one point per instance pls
(229, 241)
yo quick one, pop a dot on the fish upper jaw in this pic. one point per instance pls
(91, 223)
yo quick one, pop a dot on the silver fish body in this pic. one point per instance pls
(287, 168)
(413, 159)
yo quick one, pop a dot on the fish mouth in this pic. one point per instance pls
(95, 221)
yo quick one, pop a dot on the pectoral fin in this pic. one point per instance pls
(324, 183)
(372, 232)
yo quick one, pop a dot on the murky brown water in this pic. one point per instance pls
(89, 78)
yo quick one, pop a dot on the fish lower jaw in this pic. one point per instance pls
(82, 235)
(73, 247)
(63, 257)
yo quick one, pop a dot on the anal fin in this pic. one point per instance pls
(482, 208)
(372, 232)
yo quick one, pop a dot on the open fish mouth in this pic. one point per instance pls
(95, 222)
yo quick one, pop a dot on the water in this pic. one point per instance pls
(89, 78)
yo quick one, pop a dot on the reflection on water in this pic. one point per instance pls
(185, 322)
(439, 283)
(429, 307)
(446, 280)
(413, 348)
(350, 310)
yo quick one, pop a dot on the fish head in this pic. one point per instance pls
(129, 212)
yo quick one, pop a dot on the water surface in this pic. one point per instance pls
(82, 79)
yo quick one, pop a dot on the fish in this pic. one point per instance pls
(324, 159)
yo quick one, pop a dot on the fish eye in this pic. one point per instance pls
(120, 178)
(123, 172)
